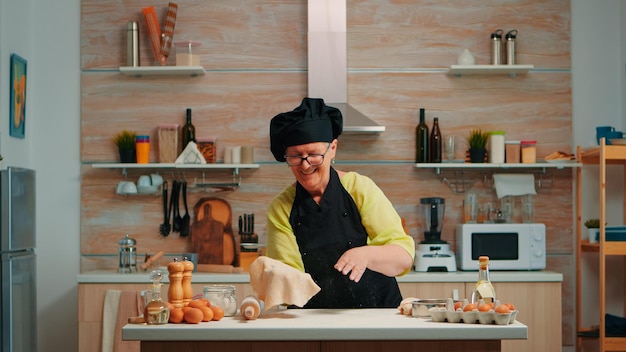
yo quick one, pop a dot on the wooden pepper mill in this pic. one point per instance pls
(186, 283)
(175, 291)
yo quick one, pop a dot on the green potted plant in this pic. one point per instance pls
(592, 226)
(125, 142)
(477, 141)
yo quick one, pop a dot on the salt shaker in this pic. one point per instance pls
(496, 47)
(510, 46)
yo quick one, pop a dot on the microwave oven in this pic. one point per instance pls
(509, 246)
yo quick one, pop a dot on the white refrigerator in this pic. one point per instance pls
(17, 267)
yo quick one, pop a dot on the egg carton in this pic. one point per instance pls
(441, 315)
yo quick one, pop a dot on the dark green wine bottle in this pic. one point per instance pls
(421, 140)
(189, 131)
(435, 143)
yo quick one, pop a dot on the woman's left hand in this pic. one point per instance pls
(354, 262)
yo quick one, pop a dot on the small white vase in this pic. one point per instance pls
(466, 58)
(592, 233)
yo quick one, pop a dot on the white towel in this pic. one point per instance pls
(514, 184)
(109, 319)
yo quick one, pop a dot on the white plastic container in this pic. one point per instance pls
(496, 147)
(186, 55)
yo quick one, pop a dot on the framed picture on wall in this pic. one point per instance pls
(17, 102)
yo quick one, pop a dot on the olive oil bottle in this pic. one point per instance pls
(156, 311)
(483, 289)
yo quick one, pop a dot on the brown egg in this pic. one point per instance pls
(218, 312)
(485, 307)
(207, 314)
(458, 305)
(503, 309)
(193, 315)
(176, 316)
(470, 307)
(197, 304)
(511, 306)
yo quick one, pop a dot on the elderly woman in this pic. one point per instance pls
(337, 226)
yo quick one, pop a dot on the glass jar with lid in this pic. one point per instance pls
(222, 296)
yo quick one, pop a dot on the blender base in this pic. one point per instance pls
(434, 258)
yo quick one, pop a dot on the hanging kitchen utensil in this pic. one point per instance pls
(171, 208)
(184, 231)
(164, 229)
(177, 220)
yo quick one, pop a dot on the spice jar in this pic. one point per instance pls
(529, 152)
(127, 255)
(512, 152)
(222, 296)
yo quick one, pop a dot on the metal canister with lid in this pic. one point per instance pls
(510, 46)
(496, 47)
(127, 255)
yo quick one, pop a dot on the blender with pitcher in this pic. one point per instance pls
(433, 254)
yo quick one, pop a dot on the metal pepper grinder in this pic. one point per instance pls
(127, 255)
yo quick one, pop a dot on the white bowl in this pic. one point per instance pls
(129, 188)
(438, 314)
(144, 180)
(157, 180)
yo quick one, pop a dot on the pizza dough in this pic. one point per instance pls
(276, 283)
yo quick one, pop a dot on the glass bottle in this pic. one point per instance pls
(435, 144)
(484, 289)
(156, 311)
(189, 131)
(421, 140)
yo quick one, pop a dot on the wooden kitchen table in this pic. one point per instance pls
(308, 330)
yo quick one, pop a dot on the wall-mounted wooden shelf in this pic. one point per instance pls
(162, 71)
(170, 166)
(511, 70)
(464, 166)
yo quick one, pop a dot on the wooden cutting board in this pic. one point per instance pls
(212, 237)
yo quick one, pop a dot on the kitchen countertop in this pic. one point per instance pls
(110, 276)
(324, 325)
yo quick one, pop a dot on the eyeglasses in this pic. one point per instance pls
(312, 159)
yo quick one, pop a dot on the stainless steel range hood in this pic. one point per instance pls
(328, 66)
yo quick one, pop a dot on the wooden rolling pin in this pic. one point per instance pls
(151, 260)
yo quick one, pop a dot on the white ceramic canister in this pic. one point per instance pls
(496, 147)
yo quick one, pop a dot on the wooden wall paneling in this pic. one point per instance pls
(234, 34)
(432, 34)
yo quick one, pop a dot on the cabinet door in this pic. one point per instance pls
(425, 290)
(539, 307)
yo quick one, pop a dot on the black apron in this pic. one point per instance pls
(323, 234)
